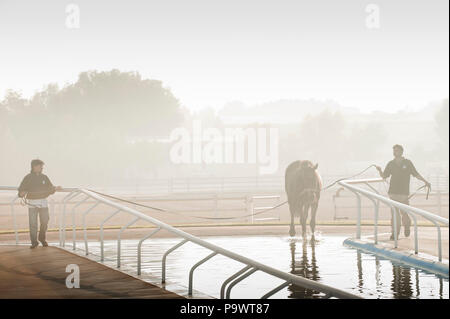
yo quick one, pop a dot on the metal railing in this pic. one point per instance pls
(255, 209)
(250, 266)
(376, 198)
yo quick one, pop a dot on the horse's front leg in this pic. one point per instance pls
(303, 217)
(292, 227)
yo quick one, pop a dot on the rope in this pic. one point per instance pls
(350, 177)
(24, 200)
(420, 188)
(221, 218)
(178, 214)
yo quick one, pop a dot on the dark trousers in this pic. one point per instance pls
(405, 220)
(44, 217)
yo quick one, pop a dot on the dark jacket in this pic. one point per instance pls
(400, 176)
(37, 186)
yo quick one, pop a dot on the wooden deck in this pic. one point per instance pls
(41, 273)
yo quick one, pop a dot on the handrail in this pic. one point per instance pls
(255, 265)
(410, 210)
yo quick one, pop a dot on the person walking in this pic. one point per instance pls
(34, 189)
(400, 169)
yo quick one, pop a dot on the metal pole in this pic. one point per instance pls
(191, 272)
(225, 283)
(439, 238)
(102, 253)
(377, 206)
(74, 230)
(416, 235)
(72, 195)
(394, 225)
(275, 290)
(13, 214)
(163, 280)
(119, 239)
(238, 280)
(84, 227)
(139, 248)
(358, 216)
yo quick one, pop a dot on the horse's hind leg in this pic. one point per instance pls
(312, 223)
(292, 210)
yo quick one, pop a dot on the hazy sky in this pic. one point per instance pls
(210, 52)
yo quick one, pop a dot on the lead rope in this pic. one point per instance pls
(422, 187)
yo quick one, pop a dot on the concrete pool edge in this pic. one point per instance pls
(407, 258)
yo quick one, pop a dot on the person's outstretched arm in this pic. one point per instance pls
(386, 173)
(416, 174)
(23, 188)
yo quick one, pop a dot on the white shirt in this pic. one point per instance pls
(41, 203)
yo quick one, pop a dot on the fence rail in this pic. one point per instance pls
(250, 266)
(250, 184)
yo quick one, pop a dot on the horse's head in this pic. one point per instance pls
(311, 189)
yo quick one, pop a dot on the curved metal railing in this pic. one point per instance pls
(250, 266)
(376, 198)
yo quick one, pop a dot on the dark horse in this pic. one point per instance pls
(303, 185)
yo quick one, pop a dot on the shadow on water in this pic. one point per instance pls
(305, 266)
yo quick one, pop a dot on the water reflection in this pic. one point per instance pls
(360, 272)
(304, 267)
(402, 286)
(401, 282)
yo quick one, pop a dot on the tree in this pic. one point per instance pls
(85, 127)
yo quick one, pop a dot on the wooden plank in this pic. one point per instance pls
(41, 273)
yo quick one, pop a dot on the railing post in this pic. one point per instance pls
(439, 202)
(119, 239)
(229, 279)
(102, 248)
(68, 197)
(439, 239)
(163, 276)
(416, 235)
(74, 230)
(358, 216)
(86, 248)
(275, 290)
(237, 280)
(191, 272)
(13, 215)
(377, 207)
(394, 225)
(140, 246)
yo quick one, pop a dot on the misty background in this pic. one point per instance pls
(112, 128)
(97, 103)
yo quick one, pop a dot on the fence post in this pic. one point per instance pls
(439, 202)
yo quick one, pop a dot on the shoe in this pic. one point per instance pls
(33, 246)
(44, 243)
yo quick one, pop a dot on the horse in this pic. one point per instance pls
(303, 185)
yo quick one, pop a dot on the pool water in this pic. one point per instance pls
(324, 259)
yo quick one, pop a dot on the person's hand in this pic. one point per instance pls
(378, 168)
(58, 188)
